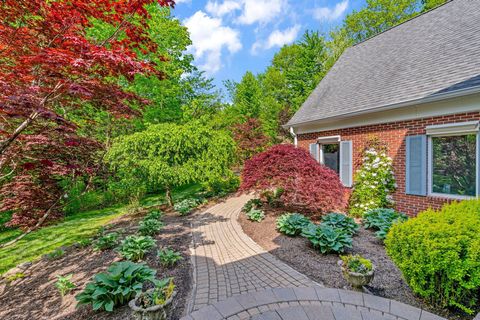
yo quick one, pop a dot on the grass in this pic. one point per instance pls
(72, 229)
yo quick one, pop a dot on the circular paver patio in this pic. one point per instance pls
(234, 278)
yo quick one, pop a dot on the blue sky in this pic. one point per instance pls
(233, 36)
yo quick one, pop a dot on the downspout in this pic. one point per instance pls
(294, 135)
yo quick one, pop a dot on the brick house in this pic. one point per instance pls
(417, 88)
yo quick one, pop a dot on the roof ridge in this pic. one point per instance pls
(403, 22)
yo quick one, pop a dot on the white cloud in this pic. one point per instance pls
(220, 9)
(277, 38)
(210, 38)
(331, 14)
(261, 11)
(182, 1)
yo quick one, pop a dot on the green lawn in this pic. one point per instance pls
(72, 229)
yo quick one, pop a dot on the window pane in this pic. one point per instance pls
(454, 165)
(331, 156)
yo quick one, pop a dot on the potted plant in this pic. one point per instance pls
(357, 270)
(154, 304)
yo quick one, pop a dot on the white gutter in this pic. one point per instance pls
(434, 98)
(294, 135)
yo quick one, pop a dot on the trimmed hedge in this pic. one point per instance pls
(438, 253)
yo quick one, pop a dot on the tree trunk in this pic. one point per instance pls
(168, 194)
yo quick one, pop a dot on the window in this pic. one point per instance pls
(454, 165)
(330, 156)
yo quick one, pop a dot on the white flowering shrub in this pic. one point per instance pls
(374, 182)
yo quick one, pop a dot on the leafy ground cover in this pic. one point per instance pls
(74, 228)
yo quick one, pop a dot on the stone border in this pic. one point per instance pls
(249, 305)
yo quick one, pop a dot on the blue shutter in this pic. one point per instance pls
(416, 165)
(314, 151)
(346, 163)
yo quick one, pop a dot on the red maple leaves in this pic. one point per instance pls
(48, 68)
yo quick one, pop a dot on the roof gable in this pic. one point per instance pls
(435, 53)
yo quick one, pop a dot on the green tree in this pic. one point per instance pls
(247, 98)
(165, 156)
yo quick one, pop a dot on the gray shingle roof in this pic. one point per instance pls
(435, 53)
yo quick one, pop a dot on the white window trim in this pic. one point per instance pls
(449, 130)
(327, 140)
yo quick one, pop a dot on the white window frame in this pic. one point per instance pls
(449, 130)
(327, 140)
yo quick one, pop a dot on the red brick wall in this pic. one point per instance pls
(394, 135)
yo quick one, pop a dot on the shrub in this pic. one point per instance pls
(292, 224)
(186, 206)
(374, 181)
(154, 215)
(122, 281)
(382, 220)
(252, 204)
(438, 254)
(303, 180)
(340, 221)
(169, 257)
(107, 241)
(256, 215)
(64, 285)
(134, 248)
(356, 263)
(327, 239)
(150, 227)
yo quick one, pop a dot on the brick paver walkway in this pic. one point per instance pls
(227, 262)
(314, 303)
(234, 278)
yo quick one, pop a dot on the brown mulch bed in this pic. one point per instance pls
(297, 252)
(35, 296)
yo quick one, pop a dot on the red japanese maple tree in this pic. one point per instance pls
(48, 67)
(305, 183)
(250, 138)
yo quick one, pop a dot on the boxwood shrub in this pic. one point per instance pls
(439, 256)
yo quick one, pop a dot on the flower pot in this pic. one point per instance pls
(355, 279)
(158, 312)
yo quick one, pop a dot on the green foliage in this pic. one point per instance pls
(292, 224)
(122, 281)
(327, 239)
(56, 254)
(256, 215)
(15, 276)
(223, 187)
(374, 182)
(169, 257)
(170, 155)
(134, 248)
(158, 296)
(382, 220)
(438, 254)
(154, 215)
(64, 285)
(83, 243)
(106, 241)
(150, 227)
(252, 204)
(357, 263)
(186, 206)
(340, 221)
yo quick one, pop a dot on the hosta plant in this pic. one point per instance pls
(327, 239)
(134, 248)
(340, 221)
(106, 241)
(169, 257)
(256, 215)
(252, 204)
(186, 206)
(292, 224)
(154, 214)
(382, 220)
(374, 181)
(150, 227)
(122, 281)
(64, 284)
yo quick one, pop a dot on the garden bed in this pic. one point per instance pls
(34, 296)
(297, 252)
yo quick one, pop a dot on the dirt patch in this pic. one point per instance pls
(35, 296)
(298, 253)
